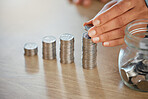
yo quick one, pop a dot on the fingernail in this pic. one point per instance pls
(106, 43)
(96, 39)
(97, 22)
(92, 33)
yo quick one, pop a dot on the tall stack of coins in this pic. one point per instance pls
(30, 49)
(89, 52)
(66, 48)
(49, 47)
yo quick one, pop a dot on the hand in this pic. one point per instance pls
(110, 22)
(86, 2)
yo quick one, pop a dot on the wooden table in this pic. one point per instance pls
(23, 77)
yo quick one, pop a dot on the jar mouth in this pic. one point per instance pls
(136, 34)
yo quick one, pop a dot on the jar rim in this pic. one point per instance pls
(130, 25)
(133, 40)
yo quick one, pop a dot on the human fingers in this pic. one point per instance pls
(111, 35)
(113, 43)
(101, 11)
(116, 23)
(114, 11)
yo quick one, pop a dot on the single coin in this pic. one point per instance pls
(138, 78)
(30, 46)
(87, 27)
(49, 39)
(143, 85)
(145, 62)
(86, 36)
(66, 37)
(124, 75)
(142, 66)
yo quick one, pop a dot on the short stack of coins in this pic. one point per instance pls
(66, 48)
(49, 47)
(89, 52)
(30, 49)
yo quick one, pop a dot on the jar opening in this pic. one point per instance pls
(136, 34)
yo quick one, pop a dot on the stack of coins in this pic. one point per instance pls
(89, 52)
(30, 49)
(66, 48)
(49, 47)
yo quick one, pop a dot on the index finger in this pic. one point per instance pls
(114, 11)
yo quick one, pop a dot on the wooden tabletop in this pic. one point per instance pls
(22, 77)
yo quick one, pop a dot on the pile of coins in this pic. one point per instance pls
(49, 47)
(89, 52)
(135, 72)
(66, 48)
(30, 49)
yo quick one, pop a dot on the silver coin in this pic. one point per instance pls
(86, 36)
(65, 47)
(131, 70)
(128, 71)
(30, 46)
(49, 46)
(66, 37)
(139, 56)
(87, 27)
(49, 39)
(124, 75)
(49, 57)
(145, 62)
(66, 56)
(67, 40)
(142, 66)
(49, 53)
(88, 66)
(66, 61)
(88, 63)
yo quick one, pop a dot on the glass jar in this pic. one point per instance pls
(133, 56)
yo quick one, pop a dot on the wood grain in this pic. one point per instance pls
(23, 77)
